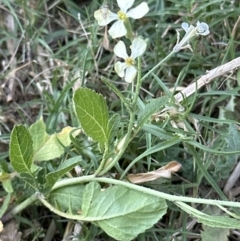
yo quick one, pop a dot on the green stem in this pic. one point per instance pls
(157, 66)
(102, 164)
(84, 179)
(101, 172)
(20, 207)
(138, 85)
(122, 150)
(169, 197)
(128, 26)
(128, 137)
(60, 213)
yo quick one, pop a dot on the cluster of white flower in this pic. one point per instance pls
(127, 69)
(104, 16)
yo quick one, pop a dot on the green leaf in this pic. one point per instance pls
(21, 149)
(66, 166)
(47, 147)
(233, 139)
(224, 164)
(21, 154)
(67, 198)
(92, 113)
(219, 221)
(159, 147)
(5, 205)
(53, 117)
(157, 131)
(38, 133)
(30, 180)
(7, 186)
(214, 234)
(210, 150)
(152, 107)
(212, 221)
(5, 179)
(113, 126)
(116, 91)
(122, 213)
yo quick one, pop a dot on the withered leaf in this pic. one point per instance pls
(164, 171)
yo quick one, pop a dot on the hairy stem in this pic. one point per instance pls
(169, 197)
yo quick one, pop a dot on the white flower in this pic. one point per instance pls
(191, 31)
(128, 69)
(104, 16)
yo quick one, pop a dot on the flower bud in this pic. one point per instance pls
(120, 144)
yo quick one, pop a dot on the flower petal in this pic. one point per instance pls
(138, 47)
(124, 5)
(139, 11)
(120, 50)
(104, 20)
(188, 28)
(118, 29)
(119, 68)
(185, 26)
(130, 74)
(202, 28)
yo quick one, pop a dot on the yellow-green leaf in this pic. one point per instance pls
(47, 147)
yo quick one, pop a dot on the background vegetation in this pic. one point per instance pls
(46, 54)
